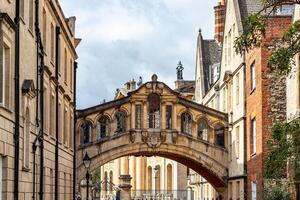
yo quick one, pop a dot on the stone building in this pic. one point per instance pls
(243, 90)
(41, 39)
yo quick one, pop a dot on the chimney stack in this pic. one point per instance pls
(220, 10)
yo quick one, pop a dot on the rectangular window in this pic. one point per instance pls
(169, 113)
(60, 135)
(71, 130)
(66, 66)
(253, 136)
(71, 74)
(51, 184)
(44, 29)
(31, 15)
(65, 186)
(5, 77)
(224, 100)
(230, 96)
(45, 110)
(253, 76)
(66, 126)
(238, 190)
(138, 116)
(1, 173)
(237, 146)
(253, 190)
(230, 190)
(52, 115)
(52, 43)
(237, 89)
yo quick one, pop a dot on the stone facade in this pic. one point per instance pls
(51, 16)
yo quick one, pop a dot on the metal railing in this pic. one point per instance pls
(160, 195)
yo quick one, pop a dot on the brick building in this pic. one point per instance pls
(44, 85)
(265, 104)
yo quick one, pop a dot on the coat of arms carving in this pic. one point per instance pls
(153, 139)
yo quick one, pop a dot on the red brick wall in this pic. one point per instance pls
(266, 103)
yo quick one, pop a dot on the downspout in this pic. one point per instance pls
(74, 129)
(245, 130)
(56, 111)
(40, 68)
(17, 102)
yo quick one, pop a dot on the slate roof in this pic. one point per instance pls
(211, 55)
(186, 87)
(248, 7)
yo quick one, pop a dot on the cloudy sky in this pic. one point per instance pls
(125, 39)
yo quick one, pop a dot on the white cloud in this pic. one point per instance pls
(123, 39)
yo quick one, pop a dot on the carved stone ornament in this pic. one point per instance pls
(132, 136)
(153, 139)
(174, 137)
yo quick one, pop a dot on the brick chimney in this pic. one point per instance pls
(220, 10)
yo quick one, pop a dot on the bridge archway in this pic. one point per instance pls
(143, 131)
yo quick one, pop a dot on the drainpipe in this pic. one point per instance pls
(56, 110)
(74, 129)
(245, 129)
(17, 102)
(40, 75)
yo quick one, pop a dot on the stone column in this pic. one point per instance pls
(132, 116)
(189, 193)
(163, 116)
(138, 176)
(125, 187)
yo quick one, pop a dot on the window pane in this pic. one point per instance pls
(169, 117)
(154, 110)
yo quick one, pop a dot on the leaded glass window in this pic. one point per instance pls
(154, 110)
(103, 124)
(86, 132)
(203, 130)
(121, 122)
(186, 123)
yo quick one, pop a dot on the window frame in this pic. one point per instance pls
(253, 76)
(186, 123)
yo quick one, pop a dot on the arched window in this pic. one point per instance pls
(121, 122)
(149, 179)
(26, 139)
(86, 133)
(186, 123)
(111, 181)
(102, 127)
(220, 135)
(105, 181)
(169, 178)
(157, 171)
(154, 110)
(203, 129)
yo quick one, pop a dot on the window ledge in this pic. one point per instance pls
(252, 91)
(253, 155)
(6, 109)
(31, 32)
(25, 169)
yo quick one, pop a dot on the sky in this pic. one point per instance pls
(125, 39)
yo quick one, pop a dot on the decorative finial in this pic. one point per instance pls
(179, 69)
(154, 78)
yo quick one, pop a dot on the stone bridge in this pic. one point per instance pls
(154, 120)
